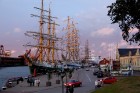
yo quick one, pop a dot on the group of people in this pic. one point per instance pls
(33, 82)
(36, 82)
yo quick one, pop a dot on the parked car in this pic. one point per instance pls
(109, 80)
(114, 73)
(100, 74)
(87, 69)
(95, 72)
(74, 83)
(125, 73)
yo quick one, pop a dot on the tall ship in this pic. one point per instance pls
(41, 57)
(72, 44)
(7, 61)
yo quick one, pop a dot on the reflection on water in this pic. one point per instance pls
(9, 72)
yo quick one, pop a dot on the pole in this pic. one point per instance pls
(62, 76)
(62, 85)
(66, 83)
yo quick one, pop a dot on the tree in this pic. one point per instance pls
(127, 14)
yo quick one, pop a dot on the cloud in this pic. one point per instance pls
(17, 30)
(135, 30)
(103, 32)
(103, 44)
(122, 43)
(133, 46)
(13, 51)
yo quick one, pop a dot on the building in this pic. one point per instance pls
(115, 65)
(129, 58)
(104, 64)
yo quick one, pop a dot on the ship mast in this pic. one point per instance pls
(72, 43)
(51, 41)
(49, 33)
(41, 36)
(87, 51)
(46, 41)
(68, 50)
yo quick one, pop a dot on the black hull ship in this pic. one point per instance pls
(7, 61)
(43, 59)
(12, 61)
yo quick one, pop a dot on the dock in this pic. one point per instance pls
(24, 87)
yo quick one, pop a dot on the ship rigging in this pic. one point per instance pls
(72, 41)
(46, 41)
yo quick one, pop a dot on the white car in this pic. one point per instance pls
(126, 73)
(87, 69)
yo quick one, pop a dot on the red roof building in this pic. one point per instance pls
(104, 64)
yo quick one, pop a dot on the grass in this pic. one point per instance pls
(123, 85)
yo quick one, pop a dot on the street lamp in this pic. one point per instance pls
(66, 78)
(62, 76)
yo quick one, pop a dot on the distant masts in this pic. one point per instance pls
(72, 41)
(87, 51)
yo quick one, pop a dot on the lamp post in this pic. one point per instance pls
(62, 76)
(66, 79)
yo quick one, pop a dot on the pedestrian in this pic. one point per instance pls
(67, 89)
(38, 82)
(96, 84)
(32, 81)
(71, 89)
(29, 81)
(99, 83)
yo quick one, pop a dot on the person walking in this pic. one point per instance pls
(71, 89)
(38, 82)
(29, 81)
(96, 84)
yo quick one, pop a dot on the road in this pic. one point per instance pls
(86, 77)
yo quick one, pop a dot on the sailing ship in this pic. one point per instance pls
(43, 58)
(72, 44)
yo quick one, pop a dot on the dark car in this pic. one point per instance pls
(74, 83)
(100, 74)
(109, 80)
(95, 72)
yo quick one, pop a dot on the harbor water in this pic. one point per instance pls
(11, 72)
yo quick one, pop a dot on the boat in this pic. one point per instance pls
(44, 57)
(7, 61)
(41, 56)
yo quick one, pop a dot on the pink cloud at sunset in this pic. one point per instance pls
(103, 32)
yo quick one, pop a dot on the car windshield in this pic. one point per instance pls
(72, 81)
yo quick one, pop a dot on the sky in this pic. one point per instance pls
(91, 15)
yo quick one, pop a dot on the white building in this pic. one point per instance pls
(129, 57)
